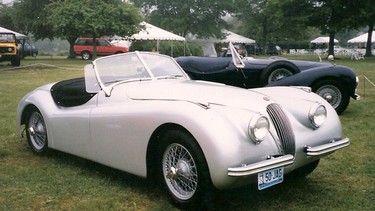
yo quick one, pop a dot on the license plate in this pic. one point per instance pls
(269, 178)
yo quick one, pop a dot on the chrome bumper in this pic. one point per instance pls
(326, 148)
(261, 166)
(285, 160)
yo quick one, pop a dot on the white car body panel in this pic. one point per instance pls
(115, 130)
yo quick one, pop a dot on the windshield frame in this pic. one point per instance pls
(139, 60)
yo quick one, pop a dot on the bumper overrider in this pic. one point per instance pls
(285, 160)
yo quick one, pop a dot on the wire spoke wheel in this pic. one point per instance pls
(279, 74)
(330, 93)
(180, 171)
(37, 132)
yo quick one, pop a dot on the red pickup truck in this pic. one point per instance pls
(84, 48)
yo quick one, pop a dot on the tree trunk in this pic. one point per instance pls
(71, 41)
(368, 44)
(94, 47)
(331, 43)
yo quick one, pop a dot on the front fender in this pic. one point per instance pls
(309, 77)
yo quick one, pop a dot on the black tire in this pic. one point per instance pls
(334, 93)
(86, 55)
(36, 132)
(278, 70)
(16, 61)
(304, 170)
(182, 169)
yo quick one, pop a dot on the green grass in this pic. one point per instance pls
(343, 181)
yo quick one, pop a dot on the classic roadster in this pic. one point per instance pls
(139, 112)
(334, 83)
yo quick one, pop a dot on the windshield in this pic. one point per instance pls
(135, 66)
(7, 37)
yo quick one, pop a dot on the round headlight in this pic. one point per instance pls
(10, 49)
(258, 128)
(317, 115)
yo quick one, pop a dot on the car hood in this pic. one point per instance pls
(302, 65)
(200, 92)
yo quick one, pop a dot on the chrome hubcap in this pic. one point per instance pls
(180, 171)
(37, 131)
(331, 94)
(279, 74)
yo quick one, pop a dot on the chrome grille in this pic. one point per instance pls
(283, 128)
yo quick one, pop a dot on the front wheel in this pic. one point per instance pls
(333, 93)
(36, 132)
(184, 169)
(304, 170)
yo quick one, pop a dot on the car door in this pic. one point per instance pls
(103, 47)
(119, 132)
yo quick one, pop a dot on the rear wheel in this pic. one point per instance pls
(16, 61)
(334, 93)
(86, 55)
(277, 70)
(36, 132)
(183, 169)
(279, 73)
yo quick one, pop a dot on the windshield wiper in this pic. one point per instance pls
(119, 81)
(170, 77)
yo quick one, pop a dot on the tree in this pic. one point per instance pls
(94, 18)
(29, 17)
(273, 21)
(331, 17)
(198, 17)
(366, 16)
(6, 20)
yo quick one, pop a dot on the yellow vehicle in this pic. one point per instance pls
(8, 49)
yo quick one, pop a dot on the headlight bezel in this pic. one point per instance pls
(259, 127)
(317, 115)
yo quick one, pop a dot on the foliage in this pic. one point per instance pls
(274, 22)
(94, 18)
(202, 18)
(29, 18)
(6, 19)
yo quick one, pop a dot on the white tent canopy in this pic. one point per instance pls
(151, 32)
(18, 35)
(208, 43)
(321, 40)
(235, 38)
(362, 38)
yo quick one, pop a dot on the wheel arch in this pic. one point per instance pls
(153, 145)
(327, 78)
(26, 112)
(277, 64)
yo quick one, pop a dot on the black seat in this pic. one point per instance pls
(204, 64)
(70, 92)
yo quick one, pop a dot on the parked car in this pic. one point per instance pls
(335, 83)
(139, 112)
(28, 50)
(84, 48)
(9, 49)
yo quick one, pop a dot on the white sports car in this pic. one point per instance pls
(139, 112)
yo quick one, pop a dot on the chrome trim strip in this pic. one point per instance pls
(326, 148)
(261, 166)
